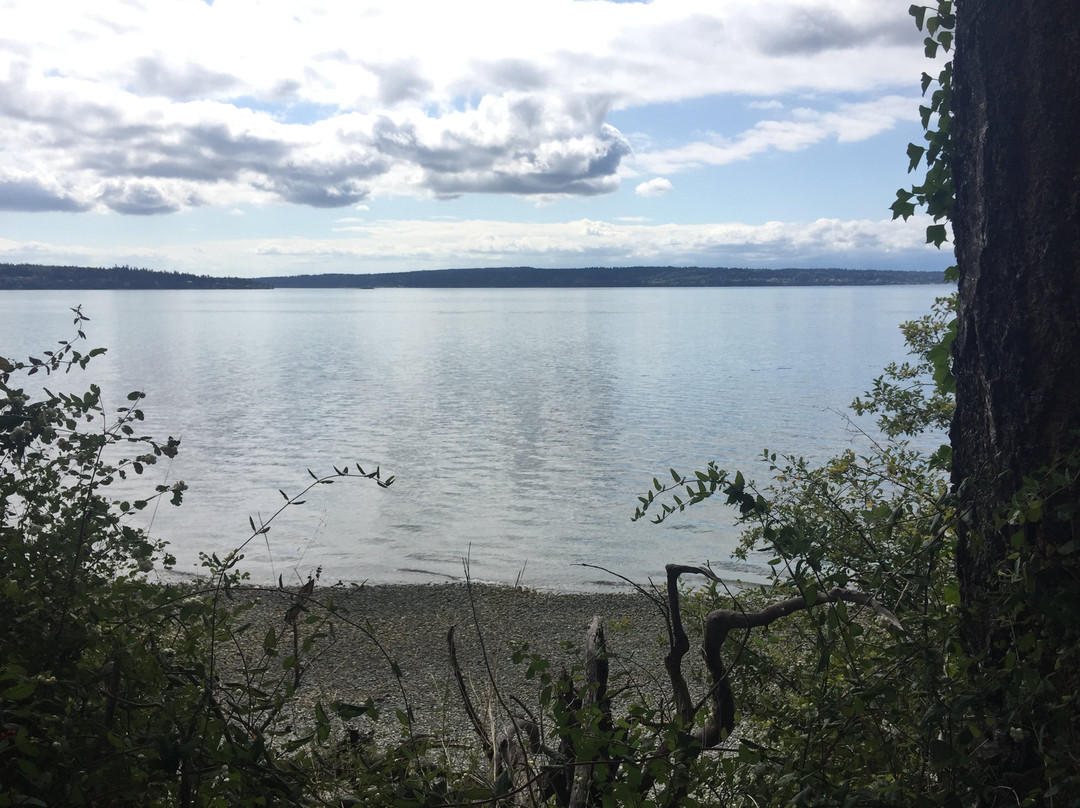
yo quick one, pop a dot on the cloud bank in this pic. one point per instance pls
(402, 245)
(152, 109)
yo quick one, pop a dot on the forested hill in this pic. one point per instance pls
(32, 276)
(510, 277)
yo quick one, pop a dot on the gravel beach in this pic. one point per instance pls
(410, 623)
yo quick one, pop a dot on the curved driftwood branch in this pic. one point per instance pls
(679, 643)
(718, 624)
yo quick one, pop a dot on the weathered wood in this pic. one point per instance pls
(594, 695)
(718, 624)
(515, 747)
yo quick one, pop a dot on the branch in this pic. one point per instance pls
(679, 643)
(596, 680)
(718, 624)
(470, 711)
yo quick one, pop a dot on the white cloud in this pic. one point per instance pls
(158, 107)
(806, 127)
(658, 186)
(395, 245)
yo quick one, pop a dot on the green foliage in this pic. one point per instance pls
(1025, 688)
(836, 706)
(935, 192)
(915, 396)
(115, 691)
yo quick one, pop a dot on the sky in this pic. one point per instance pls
(274, 137)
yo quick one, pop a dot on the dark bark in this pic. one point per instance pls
(1016, 163)
(1017, 232)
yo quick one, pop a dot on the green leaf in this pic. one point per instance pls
(20, 691)
(902, 209)
(919, 13)
(347, 712)
(936, 234)
(914, 154)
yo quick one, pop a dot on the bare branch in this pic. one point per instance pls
(718, 624)
(470, 711)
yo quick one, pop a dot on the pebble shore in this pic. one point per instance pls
(409, 623)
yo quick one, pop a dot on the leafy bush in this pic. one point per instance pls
(114, 690)
(838, 705)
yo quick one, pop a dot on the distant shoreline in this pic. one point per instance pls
(38, 277)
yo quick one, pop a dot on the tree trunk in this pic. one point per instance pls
(1016, 164)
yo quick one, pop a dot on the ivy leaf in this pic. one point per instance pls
(919, 13)
(936, 234)
(914, 154)
(902, 208)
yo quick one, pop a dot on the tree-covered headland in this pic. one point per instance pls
(35, 276)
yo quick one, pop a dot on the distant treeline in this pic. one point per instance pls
(32, 276)
(511, 277)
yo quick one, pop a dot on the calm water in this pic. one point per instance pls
(521, 424)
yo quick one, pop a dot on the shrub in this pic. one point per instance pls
(113, 689)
